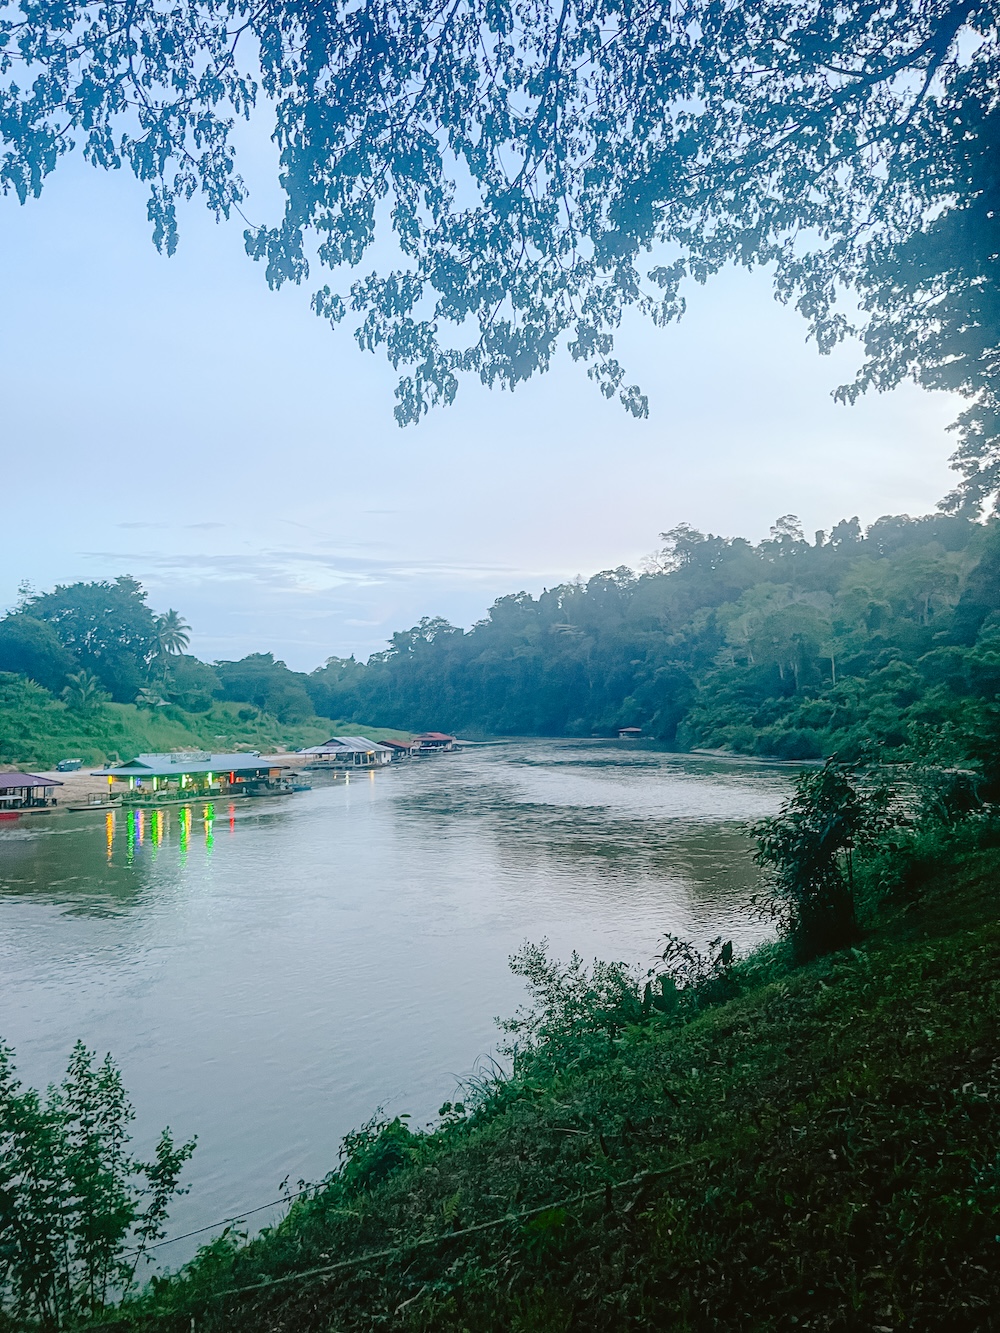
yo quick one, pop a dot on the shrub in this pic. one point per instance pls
(809, 848)
(77, 1211)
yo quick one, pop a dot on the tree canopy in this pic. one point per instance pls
(106, 626)
(545, 165)
(787, 648)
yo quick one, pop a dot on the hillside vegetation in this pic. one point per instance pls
(803, 1138)
(788, 648)
(747, 1145)
(89, 671)
(37, 729)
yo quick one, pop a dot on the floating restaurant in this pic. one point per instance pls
(22, 792)
(434, 742)
(158, 778)
(346, 752)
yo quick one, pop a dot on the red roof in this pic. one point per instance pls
(26, 780)
(433, 736)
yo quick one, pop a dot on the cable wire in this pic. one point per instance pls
(223, 1221)
(311, 1274)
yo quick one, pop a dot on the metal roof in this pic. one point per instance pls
(345, 745)
(173, 765)
(8, 780)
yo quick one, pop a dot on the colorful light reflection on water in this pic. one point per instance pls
(146, 830)
(241, 981)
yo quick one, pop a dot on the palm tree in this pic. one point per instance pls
(171, 633)
(83, 693)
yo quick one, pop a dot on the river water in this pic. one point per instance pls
(268, 972)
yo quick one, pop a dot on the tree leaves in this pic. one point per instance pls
(72, 1197)
(526, 157)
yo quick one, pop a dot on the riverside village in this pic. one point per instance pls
(189, 775)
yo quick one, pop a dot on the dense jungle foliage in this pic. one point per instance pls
(715, 1144)
(90, 671)
(788, 648)
(804, 1137)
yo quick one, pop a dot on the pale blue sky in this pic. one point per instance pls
(175, 420)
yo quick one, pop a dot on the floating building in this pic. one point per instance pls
(26, 791)
(187, 774)
(345, 752)
(433, 742)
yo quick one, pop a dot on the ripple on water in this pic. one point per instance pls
(269, 972)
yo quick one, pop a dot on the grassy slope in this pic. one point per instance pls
(39, 732)
(823, 1155)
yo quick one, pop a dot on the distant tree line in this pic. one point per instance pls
(789, 648)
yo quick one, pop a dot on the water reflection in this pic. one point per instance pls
(347, 946)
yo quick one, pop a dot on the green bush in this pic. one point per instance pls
(809, 847)
(77, 1210)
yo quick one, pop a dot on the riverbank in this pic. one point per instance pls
(818, 1152)
(81, 787)
(38, 730)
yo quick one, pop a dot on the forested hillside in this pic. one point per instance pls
(89, 670)
(787, 648)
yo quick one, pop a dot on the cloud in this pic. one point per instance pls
(303, 572)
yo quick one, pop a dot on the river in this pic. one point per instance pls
(268, 972)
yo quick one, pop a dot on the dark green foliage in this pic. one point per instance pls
(37, 730)
(82, 692)
(785, 649)
(268, 685)
(577, 1014)
(108, 628)
(544, 168)
(189, 683)
(809, 850)
(807, 1147)
(77, 1211)
(31, 647)
(371, 1154)
(171, 633)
